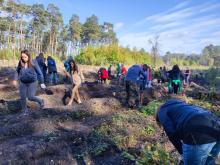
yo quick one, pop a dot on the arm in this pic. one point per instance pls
(81, 75)
(177, 143)
(39, 73)
(142, 74)
(170, 130)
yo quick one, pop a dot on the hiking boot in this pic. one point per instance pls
(42, 104)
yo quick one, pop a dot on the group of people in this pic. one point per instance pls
(111, 73)
(31, 71)
(50, 67)
(194, 131)
(137, 79)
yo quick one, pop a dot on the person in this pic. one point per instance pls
(110, 72)
(165, 74)
(160, 78)
(143, 83)
(67, 69)
(132, 84)
(27, 74)
(194, 131)
(118, 70)
(187, 76)
(52, 69)
(66, 63)
(77, 78)
(149, 77)
(175, 80)
(43, 67)
(103, 75)
(123, 74)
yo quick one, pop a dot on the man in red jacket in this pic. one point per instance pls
(103, 75)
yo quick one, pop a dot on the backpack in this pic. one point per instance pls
(28, 77)
(67, 66)
(51, 62)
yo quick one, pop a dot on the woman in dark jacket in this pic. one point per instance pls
(27, 74)
(52, 69)
(41, 62)
(176, 78)
(194, 131)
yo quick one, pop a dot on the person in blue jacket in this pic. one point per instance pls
(133, 84)
(41, 62)
(194, 131)
(27, 74)
(52, 69)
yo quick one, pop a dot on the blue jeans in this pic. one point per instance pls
(203, 154)
(53, 77)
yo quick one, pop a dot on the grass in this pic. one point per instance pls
(154, 154)
(151, 108)
(125, 129)
(81, 114)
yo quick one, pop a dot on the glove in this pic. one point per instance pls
(43, 86)
(180, 160)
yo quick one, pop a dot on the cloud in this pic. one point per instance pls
(118, 25)
(175, 15)
(217, 34)
(181, 29)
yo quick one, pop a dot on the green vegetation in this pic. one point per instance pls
(210, 56)
(112, 54)
(151, 108)
(46, 31)
(154, 154)
(125, 129)
(206, 104)
(81, 114)
(213, 75)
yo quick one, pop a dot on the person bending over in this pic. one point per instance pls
(194, 131)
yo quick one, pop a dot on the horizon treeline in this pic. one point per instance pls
(42, 29)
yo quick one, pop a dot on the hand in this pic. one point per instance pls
(14, 83)
(180, 160)
(43, 86)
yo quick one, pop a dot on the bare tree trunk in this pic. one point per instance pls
(33, 41)
(9, 32)
(15, 42)
(41, 41)
(21, 33)
(55, 49)
(49, 46)
(52, 44)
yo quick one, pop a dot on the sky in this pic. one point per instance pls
(183, 26)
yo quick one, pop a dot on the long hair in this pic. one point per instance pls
(75, 67)
(29, 62)
(176, 69)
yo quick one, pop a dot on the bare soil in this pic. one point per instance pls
(59, 134)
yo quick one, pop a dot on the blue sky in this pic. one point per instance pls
(182, 25)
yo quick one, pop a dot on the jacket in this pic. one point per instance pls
(51, 65)
(77, 77)
(30, 74)
(134, 74)
(41, 63)
(189, 123)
